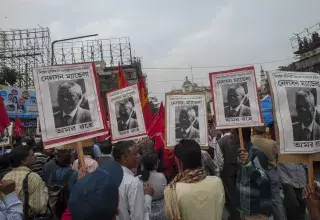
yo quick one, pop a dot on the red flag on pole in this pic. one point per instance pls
(4, 119)
(18, 127)
(156, 128)
(122, 82)
(145, 102)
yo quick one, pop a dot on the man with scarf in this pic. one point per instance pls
(252, 184)
(187, 197)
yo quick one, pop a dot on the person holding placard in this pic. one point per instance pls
(269, 147)
(252, 183)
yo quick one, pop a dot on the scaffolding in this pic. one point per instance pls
(110, 51)
(306, 41)
(24, 49)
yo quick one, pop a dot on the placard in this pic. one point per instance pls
(235, 98)
(6, 136)
(296, 98)
(125, 114)
(69, 104)
(186, 118)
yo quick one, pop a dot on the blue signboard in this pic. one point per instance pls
(20, 102)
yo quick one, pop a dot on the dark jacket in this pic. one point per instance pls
(192, 134)
(81, 116)
(298, 133)
(253, 185)
(243, 111)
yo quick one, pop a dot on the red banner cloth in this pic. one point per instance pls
(4, 119)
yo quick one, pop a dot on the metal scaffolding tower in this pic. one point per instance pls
(111, 51)
(24, 49)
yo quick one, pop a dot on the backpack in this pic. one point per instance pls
(34, 216)
(58, 193)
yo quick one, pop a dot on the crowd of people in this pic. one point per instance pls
(129, 180)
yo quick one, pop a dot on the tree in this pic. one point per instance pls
(8, 76)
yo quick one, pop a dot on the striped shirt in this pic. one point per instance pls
(38, 192)
(41, 159)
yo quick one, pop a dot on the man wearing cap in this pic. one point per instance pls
(96, 195)
(133, 203)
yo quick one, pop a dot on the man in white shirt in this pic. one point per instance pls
(135, 200)
(10, 206)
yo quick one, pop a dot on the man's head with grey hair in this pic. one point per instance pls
(235, 95)
(305, 106)
(186, 117)
(69, 95)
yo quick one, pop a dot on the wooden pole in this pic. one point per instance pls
(241, 138)
(310, 173)
(81, 165)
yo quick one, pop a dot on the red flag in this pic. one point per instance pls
(4, 119)
(18, 127)
(145, 102)
(156, 128)
(122, 82)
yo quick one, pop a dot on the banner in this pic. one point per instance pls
(186, 118)
(20, 102)
(235, 98)
(69, 104)
(125, 114)
(6, 135)
(296, 97)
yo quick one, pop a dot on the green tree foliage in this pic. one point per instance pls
(8, 75)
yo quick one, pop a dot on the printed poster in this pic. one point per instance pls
(6, 135)
(235, 98)
(186, 118)
(125, 114)
(296, 97)
(69, 104)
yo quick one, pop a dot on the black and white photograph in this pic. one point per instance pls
(187, 125)
(125, 114)
(186, 118)
(235, 98)
(69, 104)
(296, 99)
(303, 110)
(6, 135)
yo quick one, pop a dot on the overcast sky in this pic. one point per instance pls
(176, 33)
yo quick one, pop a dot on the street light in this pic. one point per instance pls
(66, 39)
